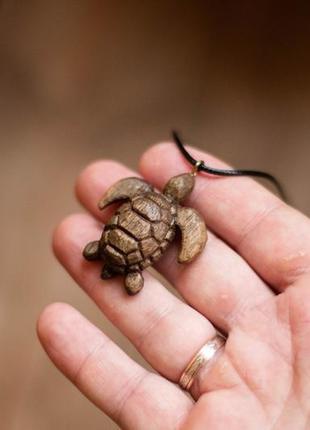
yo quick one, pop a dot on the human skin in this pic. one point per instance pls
(251, 282)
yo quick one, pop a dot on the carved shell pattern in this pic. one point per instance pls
(139, 232)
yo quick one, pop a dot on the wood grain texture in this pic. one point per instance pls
(134, 224)
(147, 208)
(124, 189)
(122, 241)
(91, 251)
(194, 234)
(134, 283)
(180, 186)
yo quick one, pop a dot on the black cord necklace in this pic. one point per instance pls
(201, 166)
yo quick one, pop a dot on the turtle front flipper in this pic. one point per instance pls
(194, 233)
(124, 189)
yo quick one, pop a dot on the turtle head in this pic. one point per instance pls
(180, 186)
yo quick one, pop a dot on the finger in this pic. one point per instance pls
(166, 331)
(94, 180)
(131, 396)
(219, 284)
(273, 237)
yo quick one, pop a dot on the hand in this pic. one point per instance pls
(251, 282)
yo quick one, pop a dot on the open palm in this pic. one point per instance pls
(250, 282)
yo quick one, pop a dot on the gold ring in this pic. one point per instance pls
(203, 356)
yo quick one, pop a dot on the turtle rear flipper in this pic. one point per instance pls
(134, 282)
(91, 251)
(194, 233)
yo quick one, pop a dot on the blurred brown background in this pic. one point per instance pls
(82, 79)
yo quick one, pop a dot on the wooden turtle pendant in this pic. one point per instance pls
(143, 227)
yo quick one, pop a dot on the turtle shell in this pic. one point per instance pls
(138, 233)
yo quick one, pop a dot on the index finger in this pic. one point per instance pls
(273, 237)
